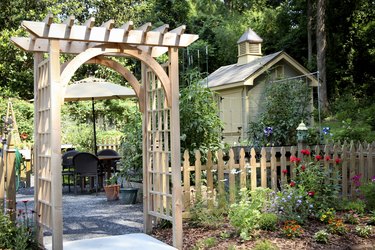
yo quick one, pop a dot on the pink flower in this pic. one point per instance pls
(311, 193)
(338, 160)
(327, 158)
(318, 157)
(292, 184)
(305, 152)
(285, 171)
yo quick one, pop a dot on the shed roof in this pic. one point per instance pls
(238, 73)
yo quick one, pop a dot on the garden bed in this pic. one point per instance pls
(224, 237)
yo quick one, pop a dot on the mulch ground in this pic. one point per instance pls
(194, 235)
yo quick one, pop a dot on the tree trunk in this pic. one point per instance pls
(309, 33)
(321, 44)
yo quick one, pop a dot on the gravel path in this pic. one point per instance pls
(89, 216)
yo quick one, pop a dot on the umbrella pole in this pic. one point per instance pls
(93, 117)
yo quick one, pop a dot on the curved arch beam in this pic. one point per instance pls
(88, 54)
(124, 72)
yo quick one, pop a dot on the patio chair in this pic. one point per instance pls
(67, 165)
(86, 165)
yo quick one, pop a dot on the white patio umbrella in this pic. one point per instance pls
(96, 89)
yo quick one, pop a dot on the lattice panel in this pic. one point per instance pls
(158, 145)
(43, 146)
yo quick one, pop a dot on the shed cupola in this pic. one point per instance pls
(249, 47)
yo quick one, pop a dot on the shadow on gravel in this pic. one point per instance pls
(90, 216)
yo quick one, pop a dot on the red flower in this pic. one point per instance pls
(303, 167)
(338, 160)
(25, 201)
(305, 152)
(327, 158)
(295, 159)
(311, 193)
(292, 184)
(285, 171)
(318, 157)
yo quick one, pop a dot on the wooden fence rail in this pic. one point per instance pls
(111, 143)
(217, 181)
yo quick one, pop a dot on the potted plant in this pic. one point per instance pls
(128, 193)
(112, 189)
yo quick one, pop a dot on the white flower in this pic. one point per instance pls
(213, 170)
(247, 165)
(224, 180)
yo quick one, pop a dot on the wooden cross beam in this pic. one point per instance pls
(77, 38)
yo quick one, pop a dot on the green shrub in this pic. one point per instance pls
(357, 206)
(265, 245)
(268, 221)
(244, 215)
(205, 243)
(351, 217)
(368, 191)
(201, 216)
(322, 236)
(282, 113)
(363, 231)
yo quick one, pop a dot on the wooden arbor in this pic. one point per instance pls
(158, 95)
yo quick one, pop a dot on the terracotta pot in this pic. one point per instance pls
(112, 192)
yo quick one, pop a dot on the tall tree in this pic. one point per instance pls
(309, 33)
(321, 45)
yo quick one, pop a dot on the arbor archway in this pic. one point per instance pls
(158, 95)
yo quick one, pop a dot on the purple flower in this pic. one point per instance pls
(268, 131)
(326, 130)
(373, 178)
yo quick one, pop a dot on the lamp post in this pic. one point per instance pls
(301, 137)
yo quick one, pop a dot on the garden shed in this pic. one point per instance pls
(241, 86)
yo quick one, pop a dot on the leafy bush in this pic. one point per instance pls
(283, 112)
(244, 215)
(322, 236)
(20, 234)
(200, 123)
(268, 221)
(368, 191)
(265, 245)
(363, 231)
(131, 144)
(201, 216)
(357, 206)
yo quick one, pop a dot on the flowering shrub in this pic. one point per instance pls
(351, 217)
(319, 184)
(337, 226)
(291, 204)
(291, 229)
(19, 234)
(327, 215)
